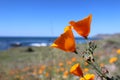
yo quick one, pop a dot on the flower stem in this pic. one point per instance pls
(96, 67)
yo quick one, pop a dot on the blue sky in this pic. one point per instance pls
(49, 17)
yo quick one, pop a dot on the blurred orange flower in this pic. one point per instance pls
(113, 59)
(118, 51)
(62, 69)
(34, 72)
(41, 69)
(86, 64)
(66, 41)
(76, 70)
(47, 74)
(82, 27)
(85, 70)
(25, 69)
(102, 64)
(69, 62)
(65, 74)
(61, 64)
(88, 77)
(74, 59)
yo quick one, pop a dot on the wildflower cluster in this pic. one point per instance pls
(66, 42)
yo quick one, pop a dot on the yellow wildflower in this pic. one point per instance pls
(113, 59)
(88, 77)
(118, 51)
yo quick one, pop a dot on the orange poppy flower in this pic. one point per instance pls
(66, 41)
(82, 27)
(76, 70)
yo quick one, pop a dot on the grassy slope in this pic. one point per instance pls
(20, 58)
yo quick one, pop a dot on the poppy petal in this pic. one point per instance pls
(76, 70)
(82, 27)
(67, 28)
(66, 41)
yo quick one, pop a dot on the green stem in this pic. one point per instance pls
(92, 63)
(98, 70)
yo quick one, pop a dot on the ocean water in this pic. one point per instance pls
(8, 42)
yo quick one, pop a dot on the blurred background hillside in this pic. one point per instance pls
(46, 63)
